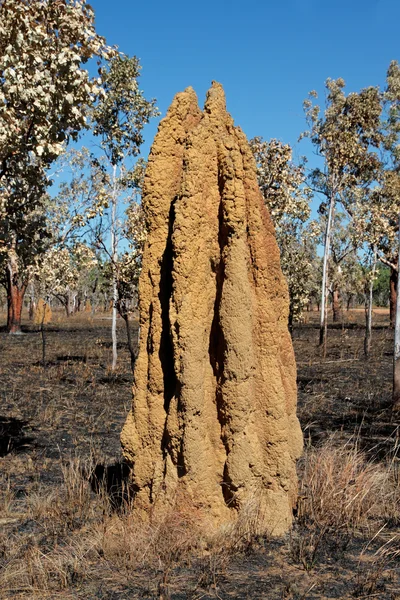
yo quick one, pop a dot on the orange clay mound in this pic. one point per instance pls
(214, 408)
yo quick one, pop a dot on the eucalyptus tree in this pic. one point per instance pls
(287, 198)
(129, 266)
(45, 94)
(345, 137)
(81, 211)
(381, 285)
(118, 120)
(64, 272)
(343, 263)
(377, 212)
(391, 190)
(369, 277)
(375, 217)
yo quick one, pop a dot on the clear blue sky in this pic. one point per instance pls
(267, 54)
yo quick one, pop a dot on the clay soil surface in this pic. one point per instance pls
(66, 530)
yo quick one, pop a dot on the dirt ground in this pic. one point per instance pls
(65, 527)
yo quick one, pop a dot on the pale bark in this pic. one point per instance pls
(93, 302)
(69, 304)
(130, 342)
(396, 357)
(78, 303)
(114, 256)
(42, 332)
(32, 303)
(368, 309)
(336, 305)
(324, 291)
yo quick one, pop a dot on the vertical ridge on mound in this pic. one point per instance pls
(213, 413)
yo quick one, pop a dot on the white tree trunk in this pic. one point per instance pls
(325, 282)
(396, 357)
(114, 256)
(368, 329)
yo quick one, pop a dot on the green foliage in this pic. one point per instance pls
(287, 198)
(377, 208)
(118, 119)
(44, 91)
(122, 111)
(392, 110)
(86, 205)
(381, 290)
(344, 136)
(45, 96)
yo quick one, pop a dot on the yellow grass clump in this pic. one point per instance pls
(43, 313)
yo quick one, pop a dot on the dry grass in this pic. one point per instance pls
(342, 496)
(342, 490)
(80, 538)
(67, 529)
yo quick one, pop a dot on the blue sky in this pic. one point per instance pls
(268, 55)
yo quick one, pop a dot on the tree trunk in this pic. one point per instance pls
(349, 299)
(114, 325)
(42, 331)
(114, 256)
(393, 295)
(15, 297)
(290, 320)
(336, 305)
(68, 304)
(324, 292)
(32, 307)
(130, 343)
(396, 354)
(368, 309)
(94, 296)
(105, 303)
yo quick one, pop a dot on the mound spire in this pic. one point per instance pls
(214, 408)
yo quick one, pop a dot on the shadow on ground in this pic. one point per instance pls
(12, 436)
(114, 480)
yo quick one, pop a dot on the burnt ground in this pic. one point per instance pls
(62, 479)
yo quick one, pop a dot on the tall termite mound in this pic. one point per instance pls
(214, 408)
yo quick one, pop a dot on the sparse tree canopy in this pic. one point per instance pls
(281, 181)
(122, 111)
(282, 184)
(118, 119)
(345, 136)
(44, 90)
(45, 95)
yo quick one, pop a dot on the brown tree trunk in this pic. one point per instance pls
(130, 343)
(78, 304)
(69, 306)
(31, 309)
(336, 305)
(393, 296)
(369, 290)
(349, 299)
(15, 298)
(290, 319)
(396, 354)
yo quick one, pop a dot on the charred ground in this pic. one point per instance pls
(65, 527)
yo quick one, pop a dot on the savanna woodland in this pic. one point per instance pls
(74, 234)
